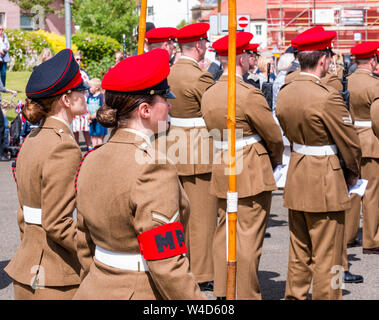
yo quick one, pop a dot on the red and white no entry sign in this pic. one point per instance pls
(243, 22)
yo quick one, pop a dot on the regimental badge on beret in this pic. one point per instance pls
(145, 74)
(55, 76)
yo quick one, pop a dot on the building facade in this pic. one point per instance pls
(12, 17)
(353, 20)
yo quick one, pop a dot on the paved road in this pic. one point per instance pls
(273, 266)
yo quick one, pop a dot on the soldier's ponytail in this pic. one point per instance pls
(37, 110)
(118, 108)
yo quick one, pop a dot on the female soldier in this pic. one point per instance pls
(45, 265)
(130, 240)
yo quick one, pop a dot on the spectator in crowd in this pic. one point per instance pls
(149, 26)
(95, 100)
(119, 56)
(4, 55)
(81, 123)
(252, 75)
(3, 122)
(45, 55)
(262, 67)
(284, 63)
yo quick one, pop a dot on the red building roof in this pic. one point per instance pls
(255, 8)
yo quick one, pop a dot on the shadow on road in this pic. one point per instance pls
(276, 223)
(271, 289)
(5, 280)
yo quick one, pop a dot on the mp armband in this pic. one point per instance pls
(162, 242)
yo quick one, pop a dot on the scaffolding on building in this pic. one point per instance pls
(353, 20)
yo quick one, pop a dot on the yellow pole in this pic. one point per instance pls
(142, 27)
(231, 125)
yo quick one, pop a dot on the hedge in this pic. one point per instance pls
(98, 52)
(26, 46)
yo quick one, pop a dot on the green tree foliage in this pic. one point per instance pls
(111, 18)
(26, 5)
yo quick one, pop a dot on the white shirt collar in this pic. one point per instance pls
(188, 58)
(139, 133)
(310, 74)
(61, 120)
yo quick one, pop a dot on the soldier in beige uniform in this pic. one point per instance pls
(45, 266)
(318, 125)
(374, 114)
(130, 203)
(261, 149)
(364, 90)
(189, 136)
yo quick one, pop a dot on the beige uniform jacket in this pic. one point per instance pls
(330, 79)
(121, 194)
(188, 82)
(374, 113)
(317, 117)
(46, 169)
(364, 90)
(253, 116)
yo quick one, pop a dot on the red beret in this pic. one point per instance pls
(142, 74)
(55, 76)
(254, 47)
(308, 31)
(365, 50)
(242, 43)
(161, 34)
(315, 41)
(193, 32)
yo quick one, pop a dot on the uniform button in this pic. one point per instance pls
(61, 131)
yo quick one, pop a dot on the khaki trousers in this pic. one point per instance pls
(252, 219)
(352, 218)
(201, 225)
(315, 252)
(370, 202)
(26, 292)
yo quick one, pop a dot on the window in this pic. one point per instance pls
(150, 11)
(258, 30)
(2, 19)
(26, 22)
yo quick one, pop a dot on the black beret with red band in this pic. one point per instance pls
(55, 76)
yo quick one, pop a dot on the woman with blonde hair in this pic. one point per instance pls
(45, 55)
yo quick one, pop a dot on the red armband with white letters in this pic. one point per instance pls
(162, 242)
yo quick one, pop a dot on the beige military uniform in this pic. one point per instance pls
(255, 179)
(129, 195)
(374, 114)
(351, 221)
(190, 147)
(317, 124)
(330, 79)
(45, 172)
(364, 90)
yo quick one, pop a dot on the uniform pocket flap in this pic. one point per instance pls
(260, 149)
(335, 163)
